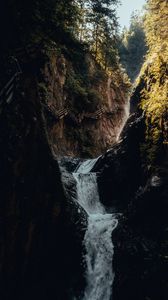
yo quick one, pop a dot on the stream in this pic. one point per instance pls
(98, 237)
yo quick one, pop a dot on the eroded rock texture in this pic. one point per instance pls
(87, 108)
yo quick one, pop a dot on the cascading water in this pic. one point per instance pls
(98, 241)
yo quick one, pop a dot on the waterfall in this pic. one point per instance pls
(86, 166)
(98, 237)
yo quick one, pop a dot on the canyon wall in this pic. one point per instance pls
(85, 106)
(35, 212)
(138, 164)
(45, 118)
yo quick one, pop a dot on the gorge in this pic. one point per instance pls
(83, 181)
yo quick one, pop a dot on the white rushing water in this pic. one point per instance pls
(98, 237)
(86, 166)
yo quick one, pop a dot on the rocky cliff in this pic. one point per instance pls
(133, 175)
(35, 212)
(85, 106)
(61, 101)
(54, 101)
(41, 117)
(138, 164)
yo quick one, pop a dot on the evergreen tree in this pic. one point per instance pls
(132, 47)
(155, 71)
(91, 22)
(25, 21)
(99, 27)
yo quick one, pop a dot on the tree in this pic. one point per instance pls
(156, 22)
(155, 71)
(29, 20)
(91, 22)
(132, 46)
(97, 27)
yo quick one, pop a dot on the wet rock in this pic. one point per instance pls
(119, 170)
(140, 194)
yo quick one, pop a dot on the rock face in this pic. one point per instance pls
(39, 242)
(88, 108)
(42, 226)
(139, 192)
(117, 166)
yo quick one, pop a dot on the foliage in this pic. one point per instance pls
(156, 24)
(97, 27)
(154, 97)
(94, 99)
(97, 77)
(79, 29)
(68, 23)
(36, 20)
(91, 21)
(82, 96)
(132, 47)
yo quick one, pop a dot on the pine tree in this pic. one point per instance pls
(99, 27)
(132, 46)
(154, 98)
